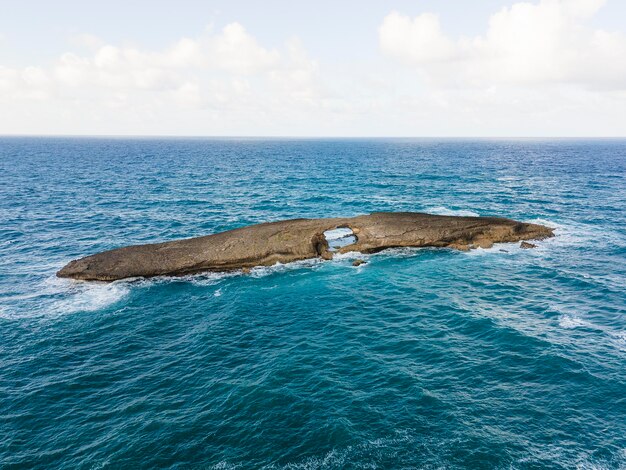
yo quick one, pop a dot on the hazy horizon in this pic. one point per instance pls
(315, 137)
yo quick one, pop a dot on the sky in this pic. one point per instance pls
(421, 68)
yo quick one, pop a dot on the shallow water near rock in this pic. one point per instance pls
(420, 358)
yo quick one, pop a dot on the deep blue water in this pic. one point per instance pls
(418, 359)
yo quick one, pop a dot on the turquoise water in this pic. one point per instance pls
(418, 359)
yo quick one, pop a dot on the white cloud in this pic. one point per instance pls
(232, 51)
(228, 71)
(299, 80)
(525, 44)
(418, 40)
(237, 51)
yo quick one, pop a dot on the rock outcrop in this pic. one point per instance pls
(292, 240)
(527, 246)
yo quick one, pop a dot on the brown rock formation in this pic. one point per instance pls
(527, 246)
(298, 239)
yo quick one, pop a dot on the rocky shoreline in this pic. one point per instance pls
(293, 240)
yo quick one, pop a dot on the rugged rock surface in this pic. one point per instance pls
(298, 239)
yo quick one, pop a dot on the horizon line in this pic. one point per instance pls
(304, 137)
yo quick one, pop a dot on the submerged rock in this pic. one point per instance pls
(526, 245)
(293, 240)
(358, 262)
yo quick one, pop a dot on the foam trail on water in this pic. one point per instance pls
(204, 279)
(350, 255)
(58, 297)
(4, 312)
(575, 234)
(571, 321)
(262, 271)
(441, 210)
(89, 297)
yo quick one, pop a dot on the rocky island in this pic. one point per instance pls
(298, 239)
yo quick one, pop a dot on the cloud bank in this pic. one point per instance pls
(228, 73)
(538, 68)
(525, 44)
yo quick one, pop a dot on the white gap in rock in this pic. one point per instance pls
(339, 237)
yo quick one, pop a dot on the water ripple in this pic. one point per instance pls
(421, 358)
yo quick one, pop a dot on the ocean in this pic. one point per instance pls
(421, 358)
